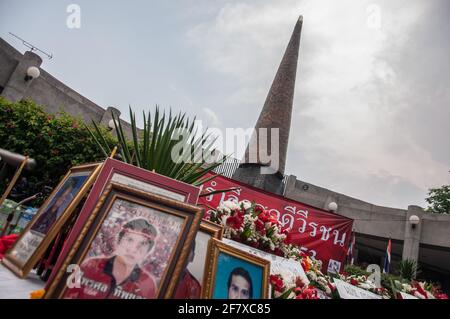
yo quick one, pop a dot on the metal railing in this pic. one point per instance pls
(230, 166)
(227, 168)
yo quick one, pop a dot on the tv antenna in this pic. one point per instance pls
(32, 47)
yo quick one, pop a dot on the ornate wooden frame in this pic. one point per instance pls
(137, 177)
(22, 270)
(215, 231)
(192, 217)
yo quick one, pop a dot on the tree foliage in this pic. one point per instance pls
(439, 200)
(408, 269)
(55, 142)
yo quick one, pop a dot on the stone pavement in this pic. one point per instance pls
(12, 287)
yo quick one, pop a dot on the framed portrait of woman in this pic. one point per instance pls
(193, 277)
(51, 216)
(133, 247)
(114, 171)
(235, 274)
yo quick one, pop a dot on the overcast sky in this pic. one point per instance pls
(372, 101)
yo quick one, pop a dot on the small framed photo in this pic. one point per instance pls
(45, 225)
(132, 248)
(114, 171)
(235, 274)
(193, 278)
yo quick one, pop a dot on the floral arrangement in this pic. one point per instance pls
(363, 282)
(283, 288)
(250, 223)
(421, 290)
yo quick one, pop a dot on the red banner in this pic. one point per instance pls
(323, 235)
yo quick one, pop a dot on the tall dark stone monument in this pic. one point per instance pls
(276, 114)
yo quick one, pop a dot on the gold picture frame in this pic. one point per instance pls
(212, 229)
(22, 267)
(176, 262)
(215, 249)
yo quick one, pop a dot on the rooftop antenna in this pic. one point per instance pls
(32, 47)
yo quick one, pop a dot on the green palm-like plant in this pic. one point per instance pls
(168, 145)
(408, 269)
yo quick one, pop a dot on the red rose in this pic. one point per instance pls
(273, 219)
(278, 252)
(235, 221)
(307, 293)
(277, 282)
(260, 227)
(263, 217)
(258, 210)
(332, 287)
(420, 289)
(354, 282)
(254, 244)
(298, 290)
(299, 282)
(310, 293)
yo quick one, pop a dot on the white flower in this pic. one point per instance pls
(231, 205)
(223, 208)
(246, 204)
(312, 275)
(406, 287)
(322, 280)
(224, 219)
(288, 278)
(291, 295)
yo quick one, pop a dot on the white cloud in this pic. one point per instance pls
(212, 117)
(349, 89)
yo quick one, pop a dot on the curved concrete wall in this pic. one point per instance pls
(373, 220)
(46, 90)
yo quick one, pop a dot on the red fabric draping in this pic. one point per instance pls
(319, 233)
(6, 242)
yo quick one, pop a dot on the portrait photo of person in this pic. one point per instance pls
(40, 232)
(189, 286)
(120, 275)
(191, 283)
(59, 202)
(129, 254)
(240, 284)
(236, 278)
